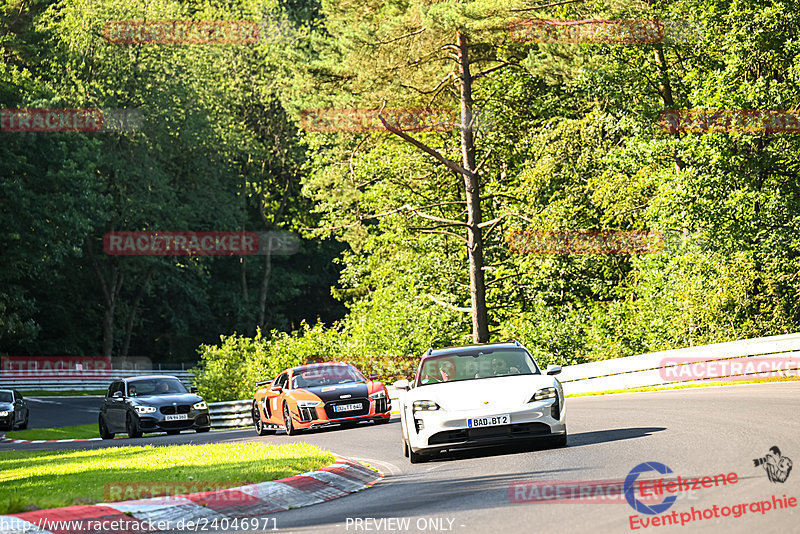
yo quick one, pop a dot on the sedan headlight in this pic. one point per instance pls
(144, 409)
(3, 414)
(200, 405)
(424, 406)
(378, 395)
(307, 404)
(544, 394)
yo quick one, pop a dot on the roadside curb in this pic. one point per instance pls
(189, 511)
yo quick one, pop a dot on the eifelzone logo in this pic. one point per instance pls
(777, 467)
(629, 489)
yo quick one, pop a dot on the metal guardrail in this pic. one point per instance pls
(230, 414)
(730, 360)
(91, 381)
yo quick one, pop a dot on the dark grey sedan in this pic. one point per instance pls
(13, 410)
(151, 404)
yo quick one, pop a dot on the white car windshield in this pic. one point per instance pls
(475, 364)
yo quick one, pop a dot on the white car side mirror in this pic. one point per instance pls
(402, 384)
(553, 369)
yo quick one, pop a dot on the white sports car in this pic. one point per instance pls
(479, 395)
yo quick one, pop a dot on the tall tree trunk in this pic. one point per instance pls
(665, 88)
(262, 298)
(243, 265)
(111, 290)
(132, 315)
(477, 285)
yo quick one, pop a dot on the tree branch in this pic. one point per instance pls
(443, 232)
(502, 65)
(546, 5)
(402, 37)
(484, 224)
(448, 305)
(490, 282)
(405, 207)
(453, 166)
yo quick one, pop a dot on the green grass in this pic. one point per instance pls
(688, 386)
(64, 432)
(50, 479)
(65, 393)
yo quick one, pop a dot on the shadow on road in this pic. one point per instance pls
(574, 440)
(616, 434)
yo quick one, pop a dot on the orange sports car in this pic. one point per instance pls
(317, 395)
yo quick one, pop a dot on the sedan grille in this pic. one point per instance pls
(169, 410)
(363, 410)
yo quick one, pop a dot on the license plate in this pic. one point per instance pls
(176, 417)
(346, 407)
(492, 420)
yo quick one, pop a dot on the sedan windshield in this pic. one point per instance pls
(5, 396)
(475, 363)
(325, 375)
(156, 386)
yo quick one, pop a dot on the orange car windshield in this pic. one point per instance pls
(324, 376)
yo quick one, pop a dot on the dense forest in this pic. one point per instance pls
(405, 232)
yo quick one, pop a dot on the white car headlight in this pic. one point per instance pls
(424, 406)
(144, 409)
(307, 404)
(3, 414)
(378, 395)
(200, 405)
(544, 394)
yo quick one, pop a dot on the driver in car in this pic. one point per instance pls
(438, 372)
(500, 367)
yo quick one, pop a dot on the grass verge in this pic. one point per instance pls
(51, 479)
(688, 386)
(63, 432)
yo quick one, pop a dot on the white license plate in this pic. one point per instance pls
(176, 417)
(346, 407)
(492, 420)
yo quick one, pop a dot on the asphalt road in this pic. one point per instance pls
(49, 412)
(698, 432)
